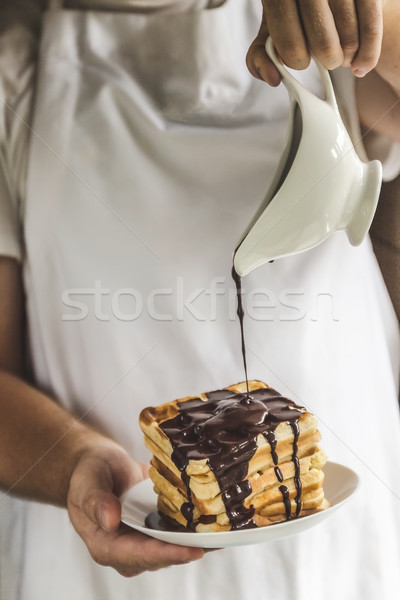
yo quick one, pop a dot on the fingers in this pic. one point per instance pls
(285, 26)
(337, 32)
(258, 63)
(131, 553)
(321, 33)
(346, 21)
(370, 21)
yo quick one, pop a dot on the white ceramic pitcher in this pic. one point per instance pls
(321, 185)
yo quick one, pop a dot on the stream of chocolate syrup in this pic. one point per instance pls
(240, 313)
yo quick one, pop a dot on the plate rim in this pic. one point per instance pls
(265, 533)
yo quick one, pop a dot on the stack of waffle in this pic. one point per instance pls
(234, 459)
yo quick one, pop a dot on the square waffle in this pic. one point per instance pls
(232, 459)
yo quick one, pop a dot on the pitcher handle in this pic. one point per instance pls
(293, 85)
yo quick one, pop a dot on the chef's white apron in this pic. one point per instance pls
(152, 148)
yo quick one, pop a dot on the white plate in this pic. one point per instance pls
(339, 485)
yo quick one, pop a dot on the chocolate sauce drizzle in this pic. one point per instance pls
(240, 313)
(224, 430)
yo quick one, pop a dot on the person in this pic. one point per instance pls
(135, 149)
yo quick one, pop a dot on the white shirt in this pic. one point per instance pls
(145, 166)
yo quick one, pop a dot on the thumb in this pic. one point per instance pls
(97, 479)
(257, 60)
(108, 505)
(108, 513)
(91, 491)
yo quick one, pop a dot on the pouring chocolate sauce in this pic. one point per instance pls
(240, 313)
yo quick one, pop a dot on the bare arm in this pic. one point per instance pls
(378, 93)
(11, 318)
(46, 454)
(363, 36)
(40, 443)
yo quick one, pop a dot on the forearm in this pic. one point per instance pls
(378, 93)
(12, 333)
(40, 443)
(388, 66)
(378, 105)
